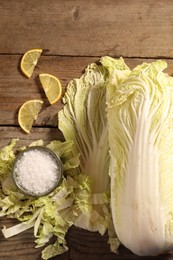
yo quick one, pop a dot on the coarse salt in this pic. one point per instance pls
(37, 171)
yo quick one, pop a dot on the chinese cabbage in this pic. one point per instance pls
(140, 123)
(83, 120)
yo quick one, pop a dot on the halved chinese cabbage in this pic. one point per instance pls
(83, 120)
(140, 123)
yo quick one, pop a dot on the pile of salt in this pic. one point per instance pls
(37, 172)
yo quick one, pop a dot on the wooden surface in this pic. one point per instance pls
(73, 34)
(93, 27)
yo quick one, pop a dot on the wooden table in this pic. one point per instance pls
(74, 33)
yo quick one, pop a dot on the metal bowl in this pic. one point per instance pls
(52, 155)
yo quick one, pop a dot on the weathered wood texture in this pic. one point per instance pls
(130, 28)
(45, 134)
(90, 246)
(73, 33)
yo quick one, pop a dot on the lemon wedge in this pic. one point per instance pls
(29, 61)
(52, 87)
(28, 113)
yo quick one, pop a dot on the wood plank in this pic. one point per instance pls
(93, 246)
(45, 134)
(82, 245)
(93, 28)
(15, 89)
(22, 246)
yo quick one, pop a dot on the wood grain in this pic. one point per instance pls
(15, 88)
(22, 246)
(82, 245)
(97, 247)
(73, 33)
(88, 28)
(46, 134)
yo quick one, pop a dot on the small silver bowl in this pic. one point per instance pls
(53, 156)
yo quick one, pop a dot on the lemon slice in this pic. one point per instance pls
(29, 61)
(52, 87)
(28, 113)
